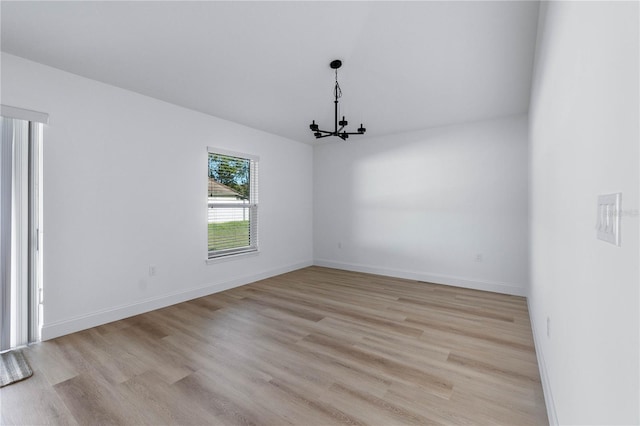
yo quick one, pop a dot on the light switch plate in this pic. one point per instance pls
(608, 226)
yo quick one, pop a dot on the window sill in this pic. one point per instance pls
(230, 257)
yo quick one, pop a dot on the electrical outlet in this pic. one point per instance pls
(152, 271)
(479, 257)
(339, 245)
(548, 327)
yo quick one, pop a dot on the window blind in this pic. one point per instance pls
(232, 207)
(19, 225)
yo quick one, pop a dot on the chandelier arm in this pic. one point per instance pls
(325, 136)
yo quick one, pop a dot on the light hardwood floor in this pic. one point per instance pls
(316, 346)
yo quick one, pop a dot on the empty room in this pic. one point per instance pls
(320, 212)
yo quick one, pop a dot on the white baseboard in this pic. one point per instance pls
(71, 325)
(494, 286)
(544, 377)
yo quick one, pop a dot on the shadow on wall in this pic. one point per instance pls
(450, 201)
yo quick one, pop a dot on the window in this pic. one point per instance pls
(232, 208)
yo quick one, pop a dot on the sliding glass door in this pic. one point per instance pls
(20, 232)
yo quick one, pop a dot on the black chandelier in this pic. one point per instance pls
(339, 132)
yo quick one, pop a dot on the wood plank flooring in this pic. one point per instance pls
(316, 346)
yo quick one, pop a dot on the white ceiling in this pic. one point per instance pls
(406, 65)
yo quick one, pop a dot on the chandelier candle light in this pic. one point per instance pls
(339, 132)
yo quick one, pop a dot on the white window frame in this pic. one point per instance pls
(252, 249)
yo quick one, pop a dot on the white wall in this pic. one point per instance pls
(125, 187)
(423, 205)
(584, 142)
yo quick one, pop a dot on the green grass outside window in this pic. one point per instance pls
(228, 235)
